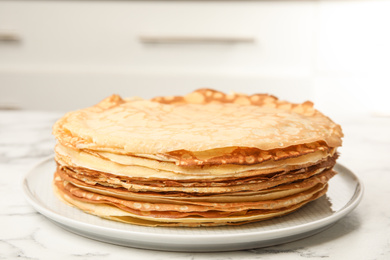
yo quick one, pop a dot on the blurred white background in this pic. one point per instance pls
(64, 55)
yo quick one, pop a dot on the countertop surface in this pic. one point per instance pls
(25, 139)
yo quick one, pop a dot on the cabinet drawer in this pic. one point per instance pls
(270, 38)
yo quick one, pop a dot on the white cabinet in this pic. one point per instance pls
(266, 38)
(75, 46)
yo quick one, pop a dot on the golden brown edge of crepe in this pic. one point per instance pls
(190, 222)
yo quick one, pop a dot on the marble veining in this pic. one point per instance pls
(25, 139)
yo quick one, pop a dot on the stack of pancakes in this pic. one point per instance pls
(204, 159)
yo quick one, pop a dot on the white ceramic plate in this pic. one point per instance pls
(344, 194)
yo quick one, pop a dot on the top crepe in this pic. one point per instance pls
(201, 121)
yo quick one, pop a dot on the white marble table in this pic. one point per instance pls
(25, 138)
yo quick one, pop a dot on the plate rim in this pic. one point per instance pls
(268, 234)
